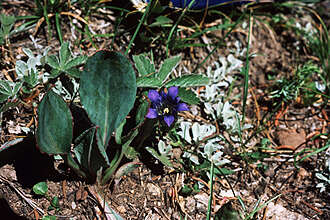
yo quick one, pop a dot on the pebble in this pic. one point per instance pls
(190, 204)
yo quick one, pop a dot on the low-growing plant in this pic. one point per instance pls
(108, 92)
(47, 10)
(324, 175)
(301, 84)
(7, 23)
(41, 189)
(38, 70)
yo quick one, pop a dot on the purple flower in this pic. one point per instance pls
(165, 105)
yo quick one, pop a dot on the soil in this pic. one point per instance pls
(152, 191)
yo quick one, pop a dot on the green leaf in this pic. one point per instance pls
(107, 91)
(119, 132)
(125, 169)
(53, 61)
(55, 73)
(141, 112)
(188, 96)
(131, 153)
(143, 65)
(167, 67)
(8, 89)
(162, 158)
(226, 212)
(55, 202)
(65, 54)
(48, 217)
(7, 23)
(223, 171)
(40, 188)
(54, 133)
(73, 72)
(186, 190)
(77, 61)
(28, 52)
(8, 105)
(87, 153)
(189, 81)
(160, 21)
(65, 62)
(148, 82)
(21, 69)
(117, 158)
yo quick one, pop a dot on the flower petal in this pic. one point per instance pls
(173, 92)
(169, 120)
(182, 107)
(154, 96)
(152, 113)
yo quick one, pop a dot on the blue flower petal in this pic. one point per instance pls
(152, 113)
(173, 92)
(154, 96)
(163, 95)
(182, 107)
(169, 120)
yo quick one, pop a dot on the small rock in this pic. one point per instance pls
(278, 212)
(177, 152)
(121, 209)
(190, 204)
(9, 172)
(202, 200)
(73, 205)
(227, 193)
(291, 137)
(154, 190)
(302, 174)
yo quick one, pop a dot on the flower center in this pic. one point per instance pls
(166, 111)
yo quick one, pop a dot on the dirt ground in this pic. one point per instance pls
(152, 191)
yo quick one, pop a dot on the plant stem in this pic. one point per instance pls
(247, 68)
(138, 27)
(209, 208)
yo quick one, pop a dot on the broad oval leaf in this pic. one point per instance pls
(54, 133)
(40, 188)
(107, 91)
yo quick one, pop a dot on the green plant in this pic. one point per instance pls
(246, 215)
(324, 177)
(300, 84)
(41, 189)
(7, 23)
(151, 78)
(65, 62)
(320, 45)
(45, 10)
(107, 92)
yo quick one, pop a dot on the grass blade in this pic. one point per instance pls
(209, 207)
(175, 26)
(146, 12)
(58, 27)
(247, 67)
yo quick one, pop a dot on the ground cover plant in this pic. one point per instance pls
(164, 109)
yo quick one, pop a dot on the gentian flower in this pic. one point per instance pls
(198, 4)
(165, 105)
